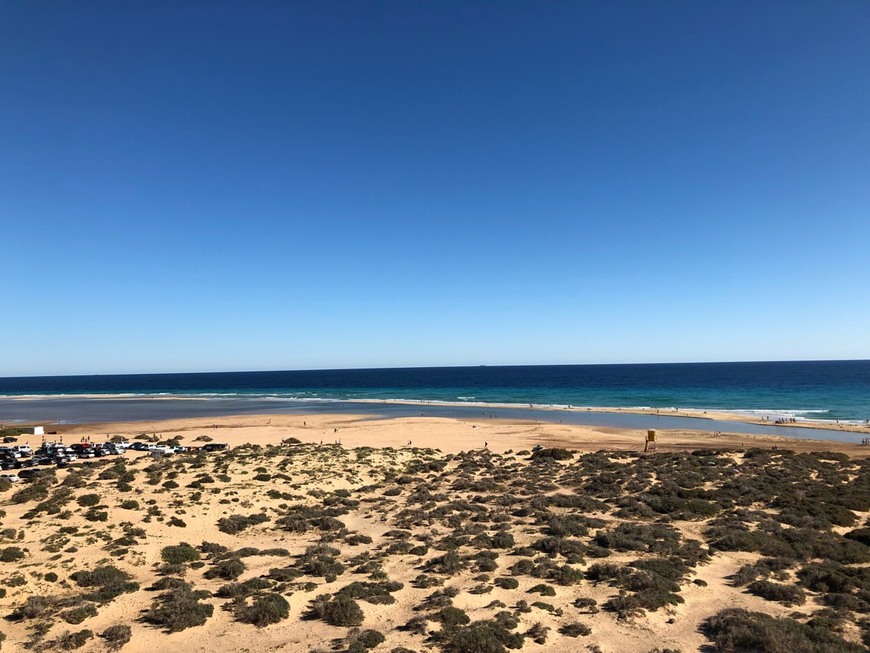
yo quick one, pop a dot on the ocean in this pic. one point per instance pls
(827, 391)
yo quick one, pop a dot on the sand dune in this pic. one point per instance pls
(458, 541)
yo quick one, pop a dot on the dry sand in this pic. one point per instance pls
(303, 478)
(448, 435)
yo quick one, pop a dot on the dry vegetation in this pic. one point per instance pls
(321, 548)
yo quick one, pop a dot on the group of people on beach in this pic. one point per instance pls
(781, 420)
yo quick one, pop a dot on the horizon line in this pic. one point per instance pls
(420, 367)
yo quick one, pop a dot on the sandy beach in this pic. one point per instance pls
(346, 533)
(448, 435)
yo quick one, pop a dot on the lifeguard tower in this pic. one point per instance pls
(650, 443)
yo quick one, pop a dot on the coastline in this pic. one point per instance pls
(756, 417)
(447, 434)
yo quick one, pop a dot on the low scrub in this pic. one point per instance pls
(736, 629)
(264, 609)
(179, 608)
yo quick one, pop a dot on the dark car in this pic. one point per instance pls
(215, 446)
(139, 446)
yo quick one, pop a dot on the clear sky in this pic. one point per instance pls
(197, 186)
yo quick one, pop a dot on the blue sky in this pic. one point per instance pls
(231, 186)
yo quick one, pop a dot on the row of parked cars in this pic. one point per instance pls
(52, 453)
(25, 461)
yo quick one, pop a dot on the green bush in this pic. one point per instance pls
(359, 642)
(79, 614)
(543, 589)
(507, 583)
(375, 593)
(179, 608)
(237, 523)
(552, 454)
(450, 616)
(481, 637)
(33, 606)
(265, 609)
(71, 641)
(226, 569)
(179, 554)
(116, 636)
(11, 554)
(88, 500)
(575, 629)
(786, 594)
(106, 582)
(735, 629)
(337, 611)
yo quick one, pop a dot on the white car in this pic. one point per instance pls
(9, 476)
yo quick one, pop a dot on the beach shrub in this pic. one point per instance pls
(575, 629)
(32, 492)
(179, 554)
(337, 611)
(507, 583)
(79, 614)
(538, 633)
(861, 535)
(481, 637)
(237, 523)
(88, 500)
(736, 629)
(33, 606)
(116, 636)
(451, 616)
(360, 641)
(786, 594)
(95, 515)
(70, 641)
(588, 605)
(625, 605)
(543, 589)
(552, 454)
(265, 609)
(375, 593)
(106, 583)
(226, 569)
(179, 608)
(11, 554)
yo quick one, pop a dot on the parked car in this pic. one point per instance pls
(215, 446)
(9, 476)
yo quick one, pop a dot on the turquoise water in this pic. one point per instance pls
(820, 390)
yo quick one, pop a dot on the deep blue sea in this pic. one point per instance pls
(808, 390)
